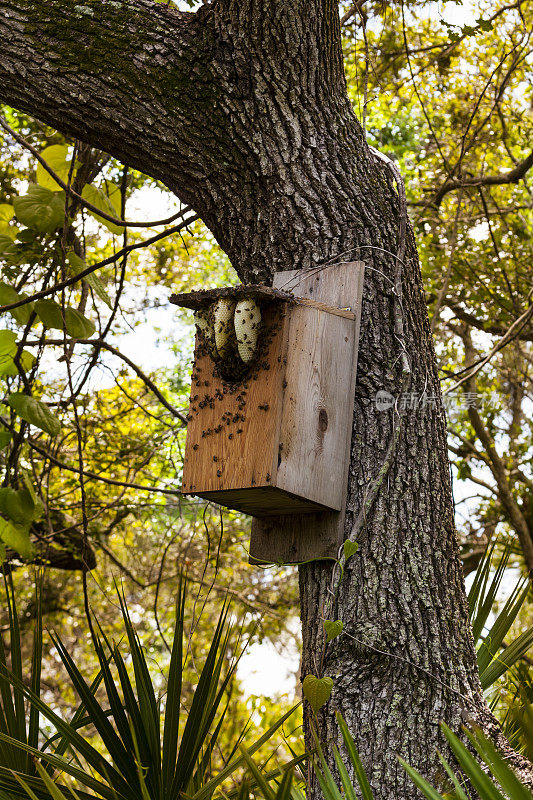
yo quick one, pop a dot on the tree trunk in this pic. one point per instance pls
(241, 109)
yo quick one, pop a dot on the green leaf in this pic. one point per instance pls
(8, 251)
(355, 758)
(104, 202)
(333, 628)
(7, 342)
(61, 764)
(9, 295)
(40, 209)
(262, 783)
(17, 505)
(347, 784)
(76, 325)
(481, 782)
(77, 265)
(6, 214)
(350, 549)
(516, 650)
(26, 236)
(8, 368)
(17, 538)
(55, 791)
(5, 437)
(317, 691)
(482, 594)
(8, 349)
(498, 766)
(56, 156)
(425, 787)
(34, 412)
(493, 640)
(206, 791)
(21, 506)
(485, 24)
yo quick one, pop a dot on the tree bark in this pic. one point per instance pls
(241, 109)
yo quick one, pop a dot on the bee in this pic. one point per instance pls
(230, 331)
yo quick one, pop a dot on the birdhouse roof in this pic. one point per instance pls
(263, 295)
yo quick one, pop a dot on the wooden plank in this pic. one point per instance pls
(295, 539)
(264, 295)
(233, 432)
(317, 407)
(288, 539)
(263, 501)
(279, 427)
(339, 312)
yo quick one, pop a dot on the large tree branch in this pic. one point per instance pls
(126, 77)
(526, 334)
(231, 107)
(513, 176)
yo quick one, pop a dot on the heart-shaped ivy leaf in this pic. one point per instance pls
(350, 549)
(317, 691)
(333, 628)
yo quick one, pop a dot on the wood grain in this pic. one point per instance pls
(293, 539)
(277, 443)
(233, 431)
(317, 408)
(339, 312)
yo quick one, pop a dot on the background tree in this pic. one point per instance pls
(306, 190)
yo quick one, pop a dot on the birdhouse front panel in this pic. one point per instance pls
(231, 451)
(271, 438)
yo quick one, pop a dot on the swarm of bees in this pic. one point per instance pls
(230, 330)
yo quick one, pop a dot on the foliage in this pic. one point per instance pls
(15, 723)
(284, 788)
(486, 786)
(136, 756)
(450, 100)
(481, 599)
(446, 90)
(107, 419)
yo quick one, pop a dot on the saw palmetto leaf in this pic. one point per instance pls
(135, 758)
(492, 662)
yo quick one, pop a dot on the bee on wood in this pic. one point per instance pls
(230, 331)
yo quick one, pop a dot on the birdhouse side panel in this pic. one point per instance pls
(317, 407)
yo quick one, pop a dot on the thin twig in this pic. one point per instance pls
(444, 288)
(511, 334)
(95, 210)
(102, 478)
(83, 274)
(101, 344)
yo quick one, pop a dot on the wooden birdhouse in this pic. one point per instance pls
(271, 406)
